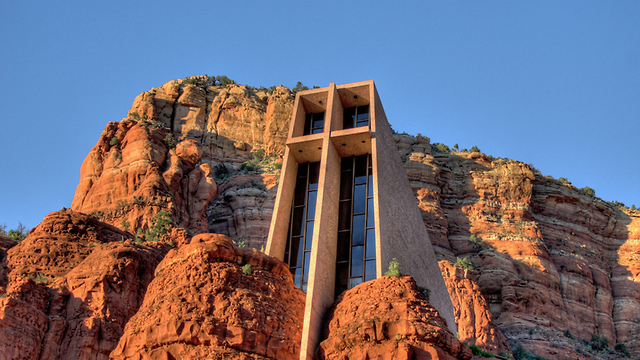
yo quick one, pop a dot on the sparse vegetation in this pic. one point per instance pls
(394, 269)
(588, 191)
(598, 343)
(299, 87)
(160, 226)
(520, 353)
(169, 140)
(239, 243)
(441, 148)
(125, 225)
(477, 351)
(246, 269)
(621, 349)
(463, 263)
(474, 149)
(475, 240)
(114, 141)
(18, 234)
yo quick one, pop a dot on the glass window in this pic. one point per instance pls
(356, 252)
(369, 270)
(357, 259)
(308, 235)
(359, 198)
(358, 230)
(344, 243)
(311, 205)
(314, 123)
(371, 244)
(370, 218)
(356, 116)
(349, 118)
(344, 217)
(300, 240)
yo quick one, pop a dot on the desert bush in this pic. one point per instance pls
(588, 191)
(477, 351)
(160, 226)
(463, 263)
(598, 343)
(114, 141)
(474, 239)
(394, 268)
(18, 234)
(299, 87)
(246, 269)
(169, 140)
(239, 243)
(474, 149)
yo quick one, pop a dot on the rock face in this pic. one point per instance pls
(388, 318)
(202, 305)
(550, 261)
(99, 284)
(5, 245)
(472, 313)
(132, 174)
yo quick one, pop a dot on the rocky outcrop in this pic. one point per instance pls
(211, 299)
(388, 318)
(73, 287)
(5, 245)
(550, 261)
(471, 311)
(133, 173)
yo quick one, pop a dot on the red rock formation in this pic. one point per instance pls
(131, 175)
(202, 305)
(99, 284)
(58, 244)
(388, 318)
(5, 245)
(23, 321)
(472, 312)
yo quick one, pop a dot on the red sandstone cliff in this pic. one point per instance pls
(552, 266)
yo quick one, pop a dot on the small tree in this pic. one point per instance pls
(588, 191)
(114, 141)
(125, 225)
(160, 226)
(474, 149)
(18, 234)
(394, 269)
(463, 263)
(299, 87)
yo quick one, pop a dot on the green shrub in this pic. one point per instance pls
(299, 87)
(598, 343)
(477, 351)
(159, 226)
(221, 172)
(125, 225)
(246, 269)
(463, 264)
(223, 80)
(622, 350)
(169, 140)
(114, 141)
(588, 191)
(474, 239)
(239, 243)
(394, 269)
(18, 234)
(474, 149)
(568, 335)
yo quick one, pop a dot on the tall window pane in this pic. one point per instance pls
(298, 248)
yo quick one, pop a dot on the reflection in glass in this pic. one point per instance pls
(357, 258)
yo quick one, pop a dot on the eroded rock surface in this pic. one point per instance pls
(202, 305)
(73, 286)
(388, 318)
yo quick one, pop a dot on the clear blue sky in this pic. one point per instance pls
(552, 83)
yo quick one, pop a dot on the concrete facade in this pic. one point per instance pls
(399, 229)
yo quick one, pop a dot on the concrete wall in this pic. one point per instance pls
(400, 226)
